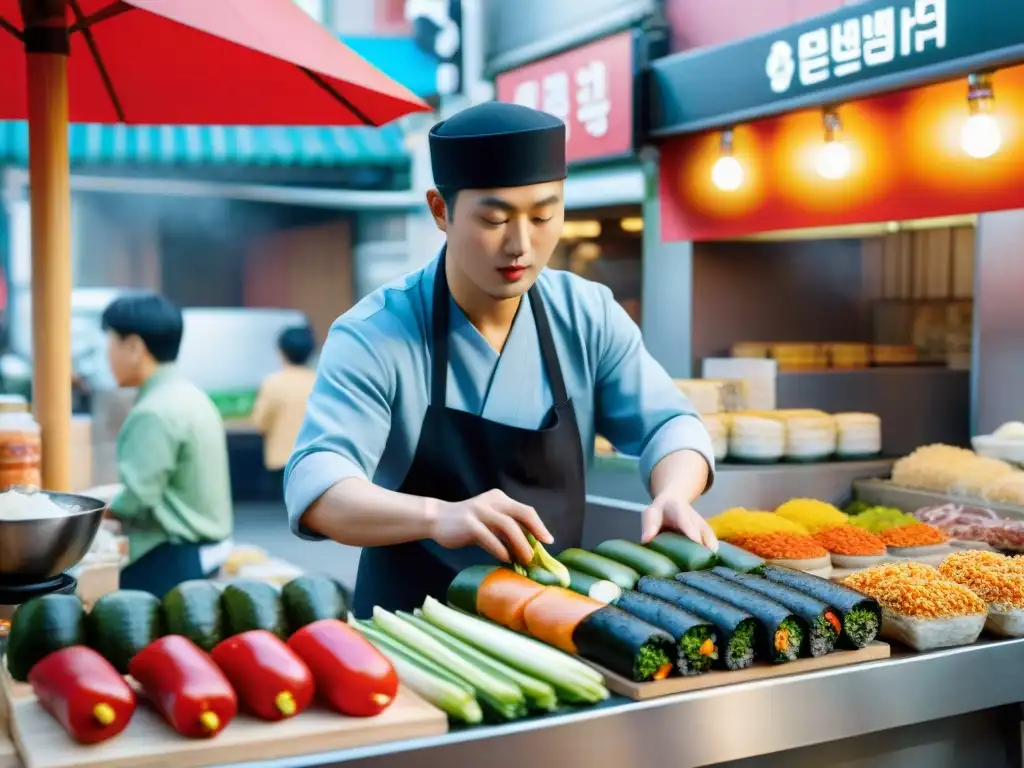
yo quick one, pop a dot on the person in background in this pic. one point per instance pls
(174, 503)
(281, 403)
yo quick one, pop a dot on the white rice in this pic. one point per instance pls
(35, 506)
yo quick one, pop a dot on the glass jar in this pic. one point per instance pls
(20, 446)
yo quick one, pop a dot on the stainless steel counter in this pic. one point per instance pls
(947, 709)
(741, 485)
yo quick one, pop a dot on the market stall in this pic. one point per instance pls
(845, 192)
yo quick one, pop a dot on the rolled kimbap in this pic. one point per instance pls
(737, 630)
(694, 636)
(625, 645)
(784, 633)
(822, 619)
(861, 615)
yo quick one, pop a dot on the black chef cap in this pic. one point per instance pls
(496, 144)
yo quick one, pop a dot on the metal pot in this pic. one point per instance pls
(37, 550)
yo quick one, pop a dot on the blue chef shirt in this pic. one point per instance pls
(364, 416)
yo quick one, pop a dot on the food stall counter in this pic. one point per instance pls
(904, 712)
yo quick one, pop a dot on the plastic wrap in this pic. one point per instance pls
(930, 634)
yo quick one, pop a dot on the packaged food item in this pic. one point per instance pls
(20, 446)
(812, 515)
(997, 580)
(923, 613)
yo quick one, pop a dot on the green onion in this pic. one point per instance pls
(498, 692)
(455, 701)
(379, 638)
(539, 694)
(574, 681)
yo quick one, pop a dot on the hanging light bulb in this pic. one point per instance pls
(834, 156)
(727, 173)
(980, 136)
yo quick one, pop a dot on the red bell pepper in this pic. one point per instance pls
(185, 686)
(351, 675)
(84, 693)
(270, 680)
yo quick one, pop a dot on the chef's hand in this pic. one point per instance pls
(494, 522)
(673, 513)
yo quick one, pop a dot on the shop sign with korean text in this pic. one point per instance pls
(591, 88)
(858, 50)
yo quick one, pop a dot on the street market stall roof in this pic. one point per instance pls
(856, 51)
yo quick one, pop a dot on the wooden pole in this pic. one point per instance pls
(50, 199)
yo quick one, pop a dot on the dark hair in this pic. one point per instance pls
(296, 344)
(448, 194)
(154, 319)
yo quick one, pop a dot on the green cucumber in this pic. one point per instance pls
(601, 567)
(193, 609)
(311, 598)
(683, 551)
(602, 590)
(644, 561)
(539, 695)
(249, 604)
(462, 591)
(121, 624)
(542, 576)
(739, 559)
(40, 627)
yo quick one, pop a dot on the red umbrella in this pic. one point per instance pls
(247, 62)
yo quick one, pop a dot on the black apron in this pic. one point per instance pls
(162, 569)
(460, 455)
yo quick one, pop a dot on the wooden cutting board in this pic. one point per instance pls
(149, 741)
(760, 671)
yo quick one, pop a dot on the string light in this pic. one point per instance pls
(980, 136)
(834, 155)
(727, 173)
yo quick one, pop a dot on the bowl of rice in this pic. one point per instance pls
(43, 534)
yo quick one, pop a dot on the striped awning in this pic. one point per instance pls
(177, 145)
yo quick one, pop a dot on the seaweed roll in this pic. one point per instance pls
(626, 645)
(737, 630)
(861, 615)
(695, 636)
(822, 619)
(784, 631)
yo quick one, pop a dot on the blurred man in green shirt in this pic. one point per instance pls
(172, 459)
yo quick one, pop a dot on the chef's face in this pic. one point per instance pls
(501, 239)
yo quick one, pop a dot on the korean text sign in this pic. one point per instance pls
(852, 52)
(590, 88)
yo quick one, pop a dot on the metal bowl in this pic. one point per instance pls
(37, 550)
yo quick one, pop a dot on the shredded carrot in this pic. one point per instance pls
(707, 648)
(989, 575)
(918, 535)
(850, 540)
(663, 672)
(923, 597)
(782, 639)
(832, 619)
(780, 546)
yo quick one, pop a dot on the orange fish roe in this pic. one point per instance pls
(780, 546)
(920, 598)
(917, 535)
(994, 580)
(850, 540)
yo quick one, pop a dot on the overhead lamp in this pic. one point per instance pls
(980, 136)
(834, 155)
(727, 173)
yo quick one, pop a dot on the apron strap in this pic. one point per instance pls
(440, 321)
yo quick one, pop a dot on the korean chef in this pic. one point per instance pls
(456, 408)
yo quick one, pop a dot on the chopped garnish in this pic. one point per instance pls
(917, 535)
(781, 546)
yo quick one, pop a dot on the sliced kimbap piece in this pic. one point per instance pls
(737, 630)
(784, 630)
(861, 615)
(822, 619)
(694, 636)
(626, 645)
